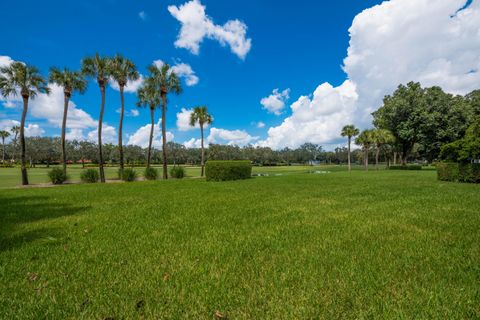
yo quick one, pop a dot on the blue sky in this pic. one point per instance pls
(294, 47)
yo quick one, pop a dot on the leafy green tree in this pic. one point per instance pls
(167, 82)
(466, 149)
(16, 131)
(380, 137)
(365, 139)
(71, 82)
(402, 114)
(123, 70)
(201, 116)
(149, 96)
(349, 131)
(26, 79)
(4, 135)
(100, 68)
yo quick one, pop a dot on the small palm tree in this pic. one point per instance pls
(149, 97)
(100, 68)
(4, 135)
(16, 131)
(123, 70)
(71, 82)
(201, 116)
(167, 82)
(349, 131)
(26, 79)
(380, 138)
(365, 139)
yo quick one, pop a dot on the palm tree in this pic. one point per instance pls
(349, 131)
(365, 139)
(167, 82)
(201, 116)
(15, 130)
(100, 68)
(148, 96)
(70, 81)
(26, 79)
(380, 138)
(4, 135)
(123, 70)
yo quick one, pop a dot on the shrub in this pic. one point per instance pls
(459, 172)
(89, 176)
(407, 167)
(177, 172)
(57, 176)
(228, 170)
(150, 173)
(128, 174)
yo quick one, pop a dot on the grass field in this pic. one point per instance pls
(386, 244)
(10, 177)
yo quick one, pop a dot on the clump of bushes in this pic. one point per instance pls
(150, 173)
(89, 176)
(459, 172)
(57, 176)
(127, 174)
(177, 172)
(228, 170)
(406, 167)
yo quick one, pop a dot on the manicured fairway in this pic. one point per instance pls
(386, 244)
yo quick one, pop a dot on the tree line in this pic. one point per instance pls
(26, 80)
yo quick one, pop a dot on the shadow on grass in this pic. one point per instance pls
(16, 213)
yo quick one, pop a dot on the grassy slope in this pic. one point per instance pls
(383, 244)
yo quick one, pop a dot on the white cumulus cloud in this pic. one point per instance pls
(196, 25)
(230, 137)
(142, 135)
(131, 87)
(275, 102)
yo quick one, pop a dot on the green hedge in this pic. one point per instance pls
(459, 172)
(407, 167)
(228, 170)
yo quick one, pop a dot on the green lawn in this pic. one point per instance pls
(382, 244)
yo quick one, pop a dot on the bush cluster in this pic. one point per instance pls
(89, 176)
(57, 176)
(127, 174)
(228, 170)
(459, 172)
(177, 172)
(407, 167)
(150, 173)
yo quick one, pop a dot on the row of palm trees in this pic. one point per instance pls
(25, 80)
(367, 138)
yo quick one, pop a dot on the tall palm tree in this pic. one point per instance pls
(365, 139)
(350, 131)
(380, 138)
(100, 68)
(4, 135)
(167, 82)
(26, 79)
(149, 96)
(123, 70)
(201, 116)
(71, 82)
(16, 131)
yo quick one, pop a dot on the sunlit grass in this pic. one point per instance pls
(339, 245)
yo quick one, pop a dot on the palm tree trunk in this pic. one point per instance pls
(349, 161)
(22, 141)
(100, 124)
(3, 150)
(152, 118)
(377, 154)
(66, 99)
(164, 135)
(366, 159)
(394, 157)
(120, 127)
(203, 151)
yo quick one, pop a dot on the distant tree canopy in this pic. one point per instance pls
(426, 118)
